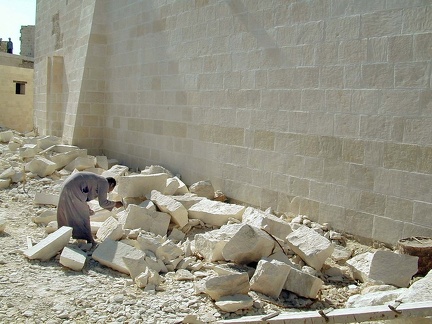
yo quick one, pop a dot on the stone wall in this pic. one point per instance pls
(16, 108)
(316, 107)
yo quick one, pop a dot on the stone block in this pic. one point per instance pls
(73, 258)
(270, 277)
(179, 214)
(5, 183)
(3, 224)
(102, 162)
(171, 187)
(149, 242)
(111, 229)
(13, 146)
(100, 214)
(141, 185)
(81, 163)
(6, 136)
(233, 284)
(312, 247)
(203, 189)
(48, 141)
(41, 166)
(234, 303)
(43, 198)
(28, 150)
(303, 284)
(210, 244)
(247, 245)
(150, 221)
(49, 246)
(360, 266)
(215, 212)
(111, 253)
(45, 217)
(419, 291)
(65, 155)
(188, 199)
(270, 223)
(135, 263)
(182, 188)
(392, 268)
(168, 251)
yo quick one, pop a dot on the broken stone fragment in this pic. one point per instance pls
(139, 185)
(6, 136)
(4, 183)
(247, 245)
(2, 224)
(81, 163)
(48, 141)
(151, 221)
(110, 253)
(115, 170)
(270, 223)
(215, 212)
(135, 263)
(234, 303)
(270, 277)
(102, 162)
(210, 244)
(111, 229)
(233, 284)
(303, 284)
(312, 247)
(49, 246)
(178, 212)
(360, 266)
(28, 150)
(73, 258)
(188, 199)
(41, 166)
(393, 268)
(203, 189)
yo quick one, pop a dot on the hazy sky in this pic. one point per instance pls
(14, 14)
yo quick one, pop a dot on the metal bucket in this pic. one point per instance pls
(420, 247)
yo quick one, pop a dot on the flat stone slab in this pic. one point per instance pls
(215, 212)
(73, 258)
(49, 246)
(111, 253)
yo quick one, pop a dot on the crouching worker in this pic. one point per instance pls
(73, 210)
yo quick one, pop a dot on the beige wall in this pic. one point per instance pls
(316, 107)
(16, 109)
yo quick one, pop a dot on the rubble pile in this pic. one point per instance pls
(235, 255)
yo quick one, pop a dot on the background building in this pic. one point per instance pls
(27, 40)
(315, 107)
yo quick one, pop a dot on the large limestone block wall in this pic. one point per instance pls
(16, 110)
(316, 107)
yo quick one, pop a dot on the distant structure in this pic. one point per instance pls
(27, 40)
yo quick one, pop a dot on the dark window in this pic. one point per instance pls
(20, 87)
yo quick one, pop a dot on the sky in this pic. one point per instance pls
(14, 14)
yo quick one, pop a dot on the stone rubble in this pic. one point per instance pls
(216, 259)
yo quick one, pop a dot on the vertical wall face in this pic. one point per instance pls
(16, 102)
(315, 107)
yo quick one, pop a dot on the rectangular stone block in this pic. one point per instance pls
(140, 217)
(110, 253)
(73, 258)
(42, 198)
(49, 246)
(303, 284)
(141, 185)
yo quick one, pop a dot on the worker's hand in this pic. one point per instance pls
(118, 204)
